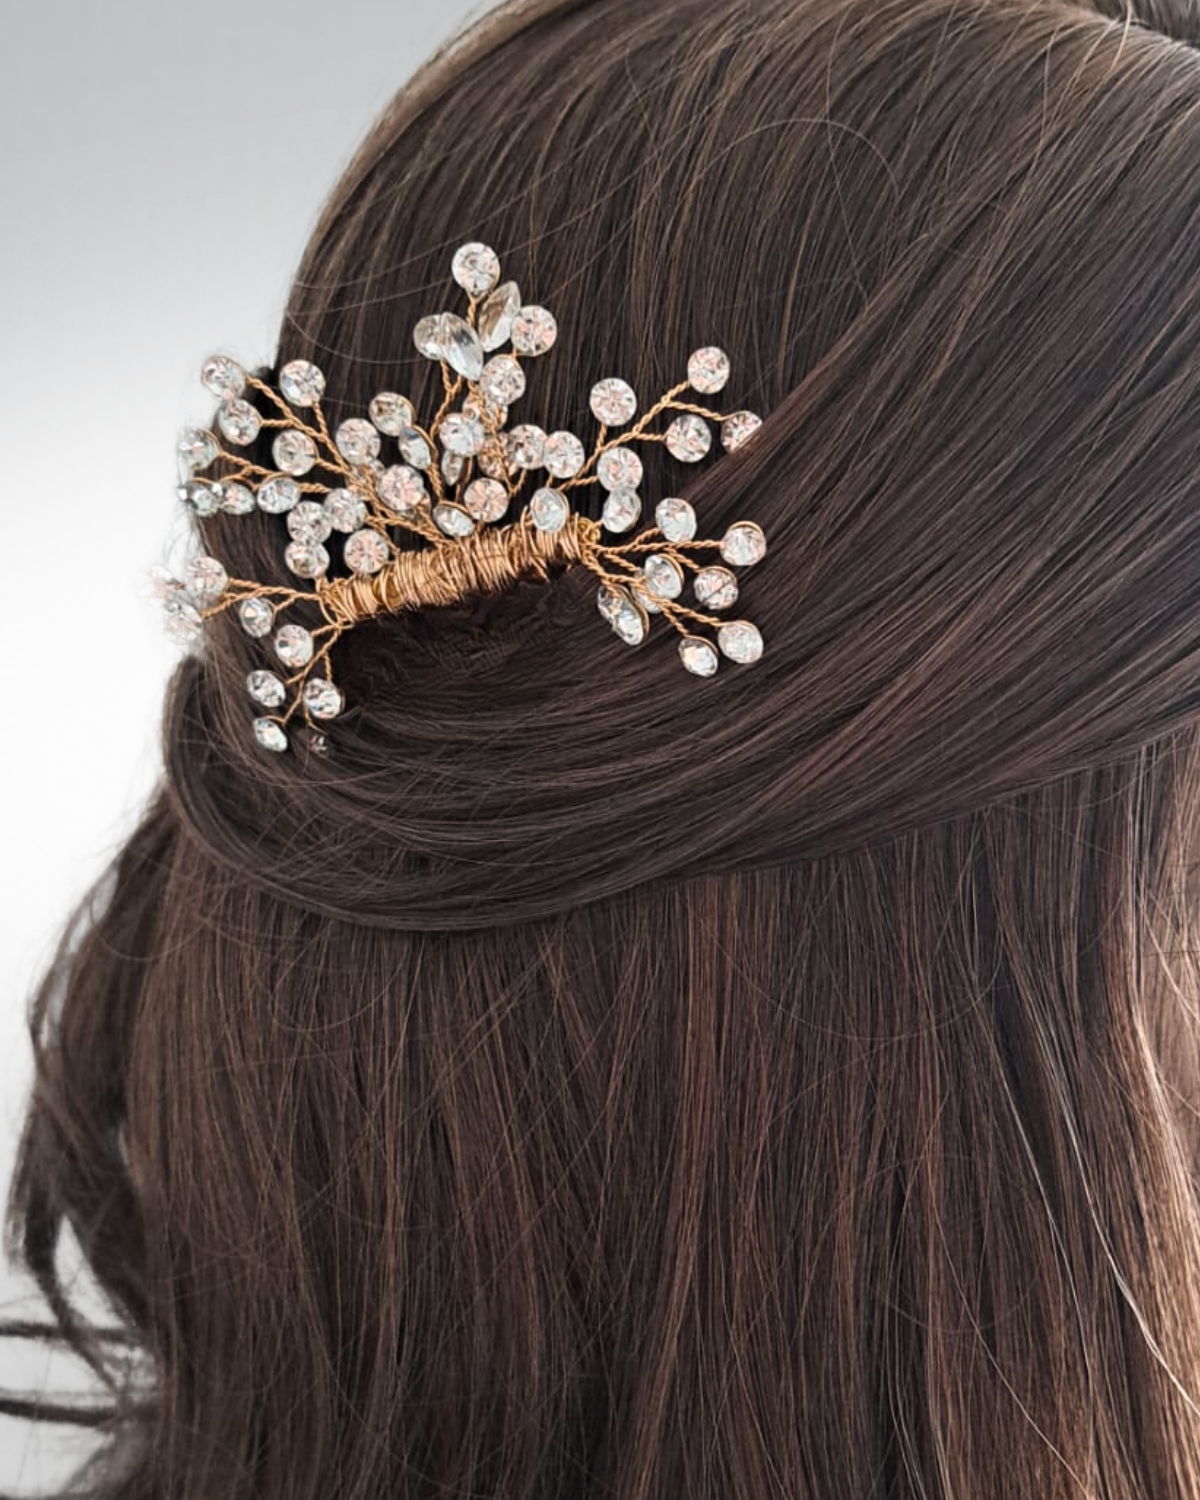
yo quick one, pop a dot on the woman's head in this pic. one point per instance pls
(593, 1080)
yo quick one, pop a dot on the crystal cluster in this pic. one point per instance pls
(344, 495)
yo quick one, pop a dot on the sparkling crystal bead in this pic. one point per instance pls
(739, 428)
(401, 489)
(613, 402)
(715, 588)
(270, 735)
(461, 434)
(453, 519)
(461, 348)
(453, 466)
(307, 522)
(196, 448)
(201, 499)
(698, 655)
(503, 380)
(278, 495)
(293, 646)
(708, 371)
(675, 519)
(346, 510)
(621, 510)
(306, 559)
(533, 330)
(321, 699)
(486, 499)
(223, 376)
(415, 449)
(489, 412)
(493, 460)
(563, 455)
(391, 413)
(495, 316)
(627, 618)
(526, 445)
(619, 469)
(205, 580)
(238, 420)
(183, 621)
(476, 268)
(644, 597)
(740, 641)
(266, 688)
(357, 440)
(301, 382)
(427, 335)
(257, 616)
(549, 509)
(664, 576)
(744, 543)
(688, 438)
(365, 551)
(236, 499)
(294, 452)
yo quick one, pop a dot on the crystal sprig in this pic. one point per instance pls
(451, 481)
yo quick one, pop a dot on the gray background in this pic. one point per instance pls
(162, 166)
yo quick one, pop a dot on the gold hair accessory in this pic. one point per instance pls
(452, 500)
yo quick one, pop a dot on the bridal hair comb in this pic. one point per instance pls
(453, 478)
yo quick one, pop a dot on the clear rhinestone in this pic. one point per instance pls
(306, 559)
(715, 588)
(427, 335)
(739, 428)
(613, 402)
(293, 646)
(744, 543)
(236, 499)
(453, 519)
(266, 688)
(453, 466)
(563, 455)
(205, 580)
(740, 641)
(401, 489)
(202, 499)
(294, 452)
(365, 551)
(270, 735)
(492, 461)
(489, 412)
(664, 576)
(708, 371)
(675, 519)
(486, 499)
(346, 510)
(357, 440)
(644, 597)
(688, 438)
(503, 380)
(415, 449)
(257, 616)
(526, 445)
(239, 421)
(308, 522)
(301, 382)
(621, 510)
(196, 448)
(533, 330)
(322, 699)
(626, 617)
(549, 509)
(619, 469)
(698, 655)
(495, 316)
(461, 434)
(476, 268)
(223, 376)
(278, 495)
(183, 621)
(391, 413)
(609, 600)
(461, 348)
(373, 466)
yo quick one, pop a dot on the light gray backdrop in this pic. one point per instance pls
(162, 165)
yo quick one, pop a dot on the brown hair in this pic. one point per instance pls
(592, 1081)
